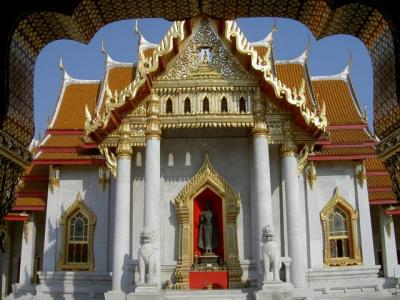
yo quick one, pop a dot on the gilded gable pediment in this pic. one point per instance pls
(205, 57)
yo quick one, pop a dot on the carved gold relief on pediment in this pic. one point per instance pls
(205, 57)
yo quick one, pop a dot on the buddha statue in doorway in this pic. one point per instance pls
(208, 233)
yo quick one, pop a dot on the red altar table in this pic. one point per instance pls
(200, 280)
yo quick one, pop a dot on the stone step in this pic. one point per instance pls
(246, 294)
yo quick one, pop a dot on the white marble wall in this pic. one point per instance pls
(181, 158)
(74, 180)
(182, 153)
(230, 157)
(329, 176)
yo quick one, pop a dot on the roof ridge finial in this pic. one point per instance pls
(103, 48)
(48, 118)
(39, 141)
(304, 56)
(108, 59)
(345, 73)
(365, 112)
(268, 40)
(270, 36)
(275, 26)
(136, 29)
(141, 39)
(63, 70)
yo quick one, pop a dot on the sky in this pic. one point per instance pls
(327, 56)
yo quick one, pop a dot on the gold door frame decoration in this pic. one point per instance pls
(63, 264)
(207, 177)
(355, 253)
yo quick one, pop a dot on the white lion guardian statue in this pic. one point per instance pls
(271, 253)
(147, 257)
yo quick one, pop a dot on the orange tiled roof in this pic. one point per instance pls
(34, 170)
(118, 78)
(340, 107)
(63, 141)
(33, 186)
(348, 151)
(66, 156)
(374, 164)
(378, 181)
(29, 201)
(291, 74)
(351, 136)
(71, 113)
(381, 196)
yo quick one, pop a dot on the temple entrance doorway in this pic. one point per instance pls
(208, 269)
(207, 208)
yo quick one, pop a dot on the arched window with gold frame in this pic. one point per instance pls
(168, 106)
(206, 105)
(78, 228)
(187, 107)
(339, 220)
(224, 105)
(242, 105)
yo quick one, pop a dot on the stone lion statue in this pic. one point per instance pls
(147, 257)
(271, 253)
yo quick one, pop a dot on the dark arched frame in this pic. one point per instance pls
(28, 27)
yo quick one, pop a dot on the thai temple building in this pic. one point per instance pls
(208, 170)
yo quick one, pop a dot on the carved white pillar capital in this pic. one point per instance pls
(124, 148)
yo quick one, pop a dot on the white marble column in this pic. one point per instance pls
(152, 185)
(52, 233)
(295, 216)
(261, 202)
(152, 178)
(26, 269)
(121, 275)
(364, 215)
(388, 242)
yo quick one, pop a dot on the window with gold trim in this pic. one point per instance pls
(224, 105)
(78, 227)
(339, 221)
(242, 105)
(206, 105)
(168, 106)
(187, 108)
